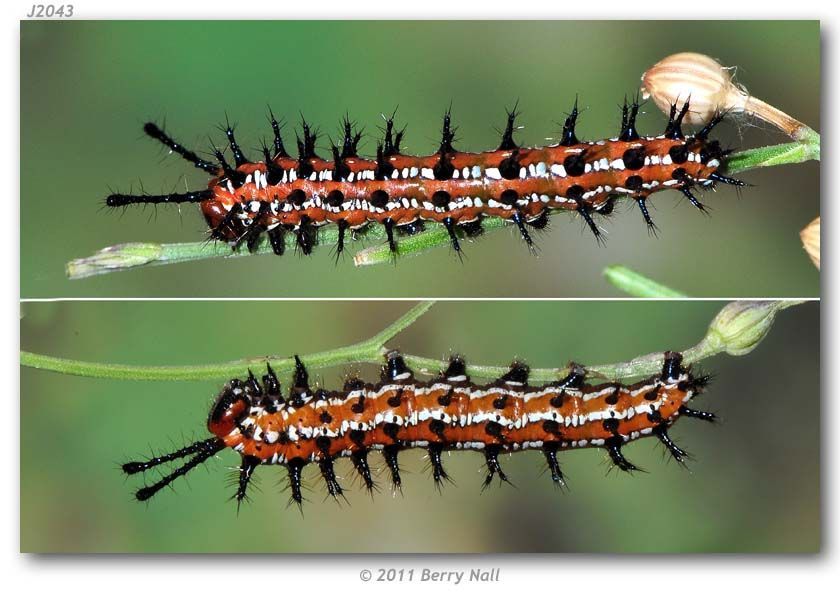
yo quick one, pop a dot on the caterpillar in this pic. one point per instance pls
(282, 194)
(448, 413)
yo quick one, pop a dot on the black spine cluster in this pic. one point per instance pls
(237, 228)
(266, 394)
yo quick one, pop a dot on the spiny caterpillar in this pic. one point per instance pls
(283, 194)
(449, 413)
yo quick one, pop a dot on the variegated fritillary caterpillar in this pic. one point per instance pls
(283, 194)
(448, 413)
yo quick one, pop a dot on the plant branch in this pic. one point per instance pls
(132, 255)
(736, 330)
(378, 341)
(435, 235)
(369, 350)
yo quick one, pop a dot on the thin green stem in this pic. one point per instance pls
(387, 334)
(435, 235)
(736, 330)
(123, 257)
(369, 350)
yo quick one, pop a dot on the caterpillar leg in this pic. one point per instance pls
(230, 227)
(389, 225)
(694, 201)
(539, 222)
(526, 237)
(305, 236)
(449, 223)
(472, 228)
(438, 472)
(295, 471)
(613, 446)
(413, 228)
(651, 226)
(251, 237)
(550, 452)
(246, 470)
(661, 432)
(328, 473)
(390, 453)
(256, 228)
(584, 212)
(360, 462)
(698, 414)
(491, 457)
(277, 238)
(727, 180)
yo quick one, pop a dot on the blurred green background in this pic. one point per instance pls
(755, 486)
(87, 88)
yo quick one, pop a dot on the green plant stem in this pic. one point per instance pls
(435, 235)
(737, 329)
(127, 256)
(378, 341)
(636, 284)
(807, 148)
(132, 255)
(369, 350)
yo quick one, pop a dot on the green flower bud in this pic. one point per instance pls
(740, 326)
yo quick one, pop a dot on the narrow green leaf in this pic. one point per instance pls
(638, 285)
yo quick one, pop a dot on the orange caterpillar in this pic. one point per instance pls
(446, 414)
(283, 194)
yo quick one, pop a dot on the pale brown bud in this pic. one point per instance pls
(697, 77)
(709, 87)
(811, 240)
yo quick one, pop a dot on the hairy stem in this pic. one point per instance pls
(737, 329)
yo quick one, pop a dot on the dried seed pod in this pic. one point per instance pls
(811, 240)
(709, 85)
(706, 82)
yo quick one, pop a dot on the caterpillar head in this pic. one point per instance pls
(231, 406)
